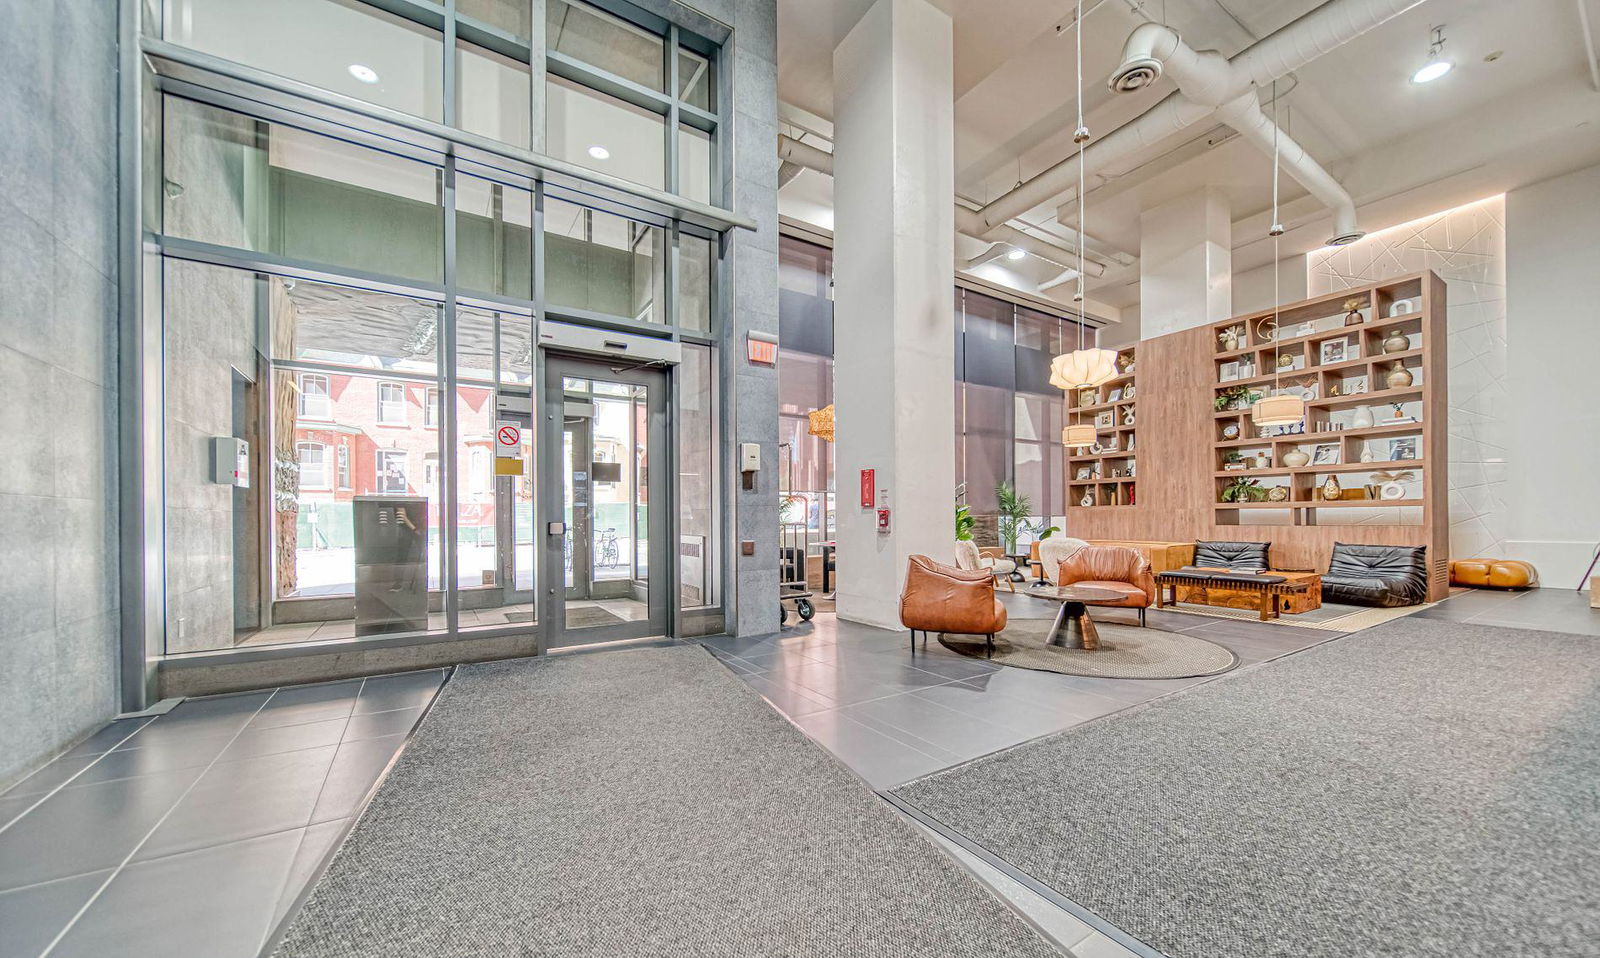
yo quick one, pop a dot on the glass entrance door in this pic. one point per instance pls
(603, 514)
(514, 519)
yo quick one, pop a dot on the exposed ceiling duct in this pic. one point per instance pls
(1209, 85)
(792, 151)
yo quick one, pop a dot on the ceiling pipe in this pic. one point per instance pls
(1152, 50)
(1060, 279)
(792, 151)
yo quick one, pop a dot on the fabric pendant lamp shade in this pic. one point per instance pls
(1082, 368)
(821, 422)
(1278, 411)
(1079, 436)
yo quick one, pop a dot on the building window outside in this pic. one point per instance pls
(391, 404)
(430, 408)
(391, 472)
(342, 465)
(314, 400)
(313, 458)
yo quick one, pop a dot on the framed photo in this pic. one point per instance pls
(1087, 397)
(1085, 472)
(1325, 454)
(1115, 396)
(1333, 351)
(1403, 447)
(1103, 420)
(1229, 372)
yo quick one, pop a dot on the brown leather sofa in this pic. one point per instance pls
(942, 598)
(1116, 569)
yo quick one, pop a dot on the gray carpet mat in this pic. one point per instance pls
(1421, 789)
(639, 803)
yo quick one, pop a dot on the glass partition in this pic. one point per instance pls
(494, 227)
(341, 45)
(604, 133)
(599, 39)
(601, 263)
(493, 95)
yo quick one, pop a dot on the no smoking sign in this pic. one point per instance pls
(508, 441)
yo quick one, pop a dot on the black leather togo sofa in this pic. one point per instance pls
(1238, 556)
(1383, 576)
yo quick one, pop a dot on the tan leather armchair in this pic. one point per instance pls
(941, 598)
(1113, 568)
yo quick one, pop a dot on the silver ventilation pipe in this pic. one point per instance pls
(1153, 50)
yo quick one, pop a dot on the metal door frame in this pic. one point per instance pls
(505, 511)
(548, 496)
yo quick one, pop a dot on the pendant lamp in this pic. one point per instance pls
(1084, 367)
(1277, 409)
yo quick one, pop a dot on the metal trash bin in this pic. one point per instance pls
(391, 535)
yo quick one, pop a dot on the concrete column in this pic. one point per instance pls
(894, 353)
(1185, 263)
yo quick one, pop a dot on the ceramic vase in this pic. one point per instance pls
(1296, 457)
(1396, 342)
(1363, 418)
(1367, 454)
(1399, 376)
(1331, 490)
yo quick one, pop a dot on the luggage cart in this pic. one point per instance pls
(792, 546)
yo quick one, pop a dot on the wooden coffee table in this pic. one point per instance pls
(1219, 595)
(1073, 629)
(1265, 589)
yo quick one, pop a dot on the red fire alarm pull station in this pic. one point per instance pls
(869, 496)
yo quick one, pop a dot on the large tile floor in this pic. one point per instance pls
(195, 832)
(192, 833)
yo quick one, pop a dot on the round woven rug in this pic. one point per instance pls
(1126, 652)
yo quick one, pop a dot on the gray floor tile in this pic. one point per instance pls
(381, 724)
(788, 698)
(107, 738)
(133, 762)
(934, 728)
(80, 830)
(213, 903)
(33, 916)
(355, 769)
(51, 776)
(274, 739)
(880, 759)
(385, 693)
(316, 843)
(307, 704)
(859, 681)
(233, 801)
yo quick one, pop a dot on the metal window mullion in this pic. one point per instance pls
(449, 111)
(537, 98)
(449, 471)
(543, 574)
(674, 165)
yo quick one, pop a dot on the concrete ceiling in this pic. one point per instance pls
(1402, 149)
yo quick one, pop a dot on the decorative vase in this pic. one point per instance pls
(1296, 457)
(1278, 494)
(1286, 361)
(1353, 317)
(1396, 342)
(1262, 462)
(1331, 490)
(1363, 418)
(1229, 340)
(1367, 455)
(1399, 376)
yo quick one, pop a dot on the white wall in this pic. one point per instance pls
(1553, 333)
(1252, 289)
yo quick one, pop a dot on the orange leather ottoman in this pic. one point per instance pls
(1493, 573)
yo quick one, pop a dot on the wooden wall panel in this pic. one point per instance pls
(1175, 450)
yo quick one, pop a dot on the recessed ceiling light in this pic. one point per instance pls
(1437, 66)
(1016, 254)
(363, 73)
(1432, 70)
(599, 152)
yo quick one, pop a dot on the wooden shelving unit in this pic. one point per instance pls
(1109, 475)
(1355, 410)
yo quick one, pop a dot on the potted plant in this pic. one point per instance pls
(1014, 510)
(964, 523)
(1233, 397)
(1243, 490)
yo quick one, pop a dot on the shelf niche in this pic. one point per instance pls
(1116, 404)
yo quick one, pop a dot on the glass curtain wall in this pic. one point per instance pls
(319, 325)
(1008, 416)
(624, 92)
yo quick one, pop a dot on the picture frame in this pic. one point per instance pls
(1115, 395)
(1087, 397)
(1229, 371)
(1333, 351)
(1402, 448)
(1084, 472)
(1103, 420)
(1325, 454)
